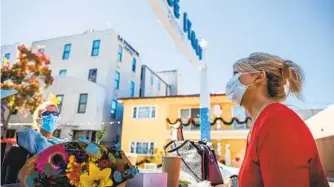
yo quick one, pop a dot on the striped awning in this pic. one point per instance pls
(6, 93)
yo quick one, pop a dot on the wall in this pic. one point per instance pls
(150, 90)
(106, 63)
(326, 152)
(71, 88)
(173, 78)
(12, 49)
(143, 129)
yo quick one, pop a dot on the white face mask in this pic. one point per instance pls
(235, 90)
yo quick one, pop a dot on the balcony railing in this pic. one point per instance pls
(218, 125)
(233, 126)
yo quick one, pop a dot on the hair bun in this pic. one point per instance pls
(287, 69)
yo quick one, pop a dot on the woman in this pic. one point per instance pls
(46, 119)
(281, 151)
(31, 141)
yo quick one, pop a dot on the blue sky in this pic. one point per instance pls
(299, 30)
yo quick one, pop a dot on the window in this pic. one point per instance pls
(92, 75)
(61, 99)
(10, 133)
(144, 112)
(62, 72)
(56, 133)
(190, 112)
(134, 62)
(120, 53)
(82, 103)
(151, 79)
(159, 85)
(7, 56)
(132, 89)
(67, 51)
(142, 148)
(117, 79)
(194, 113)
(96, 48)
(240, 113)
(81, 133)
(113, 109)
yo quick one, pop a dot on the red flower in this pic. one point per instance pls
(237, 158)
(105, 163)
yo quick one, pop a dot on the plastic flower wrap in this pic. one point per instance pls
(80, 163)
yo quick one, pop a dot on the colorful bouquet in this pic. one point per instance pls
(80, 163)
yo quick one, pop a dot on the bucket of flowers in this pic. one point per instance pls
(79, 163)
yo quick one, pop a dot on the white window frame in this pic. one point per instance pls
(188, 128)
(189, 109)
(151, 106)
(142, 141)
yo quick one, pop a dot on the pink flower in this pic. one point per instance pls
(54, 155)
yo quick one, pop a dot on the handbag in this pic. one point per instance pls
(198, 159)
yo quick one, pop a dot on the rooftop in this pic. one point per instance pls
(88, 31)
(171, 96)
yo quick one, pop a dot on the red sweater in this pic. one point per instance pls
(281, 152)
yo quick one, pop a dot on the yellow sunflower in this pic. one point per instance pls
(96, 177)
(74, 171)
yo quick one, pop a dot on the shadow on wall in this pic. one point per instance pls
(326, 152)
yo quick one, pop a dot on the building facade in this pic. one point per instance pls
(148, 124)
(91, 71)
(173, 78)
(152, 84)
(9, 52)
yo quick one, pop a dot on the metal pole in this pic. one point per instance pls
(205, 126)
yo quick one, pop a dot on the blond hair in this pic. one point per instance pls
(37, 113)
(279, 73)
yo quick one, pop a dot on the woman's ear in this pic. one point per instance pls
(260, 77)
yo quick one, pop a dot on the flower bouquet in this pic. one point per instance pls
(79, 163)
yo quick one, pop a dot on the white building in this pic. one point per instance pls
(9, 52)
(173, 78)
(152, 84)
(91, 71)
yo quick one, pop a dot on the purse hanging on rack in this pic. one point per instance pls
(198, 159)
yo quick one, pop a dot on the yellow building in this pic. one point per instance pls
(147, 123)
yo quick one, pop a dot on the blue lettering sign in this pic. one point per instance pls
(175, 4)
(187, 27)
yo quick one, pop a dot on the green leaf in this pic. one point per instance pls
(98, 134)
(112, 158)
(48, 169)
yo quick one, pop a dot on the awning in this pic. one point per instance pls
(9, 140)
(322, 124)
(6, 93)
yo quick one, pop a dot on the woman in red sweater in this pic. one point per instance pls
(281, 151)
